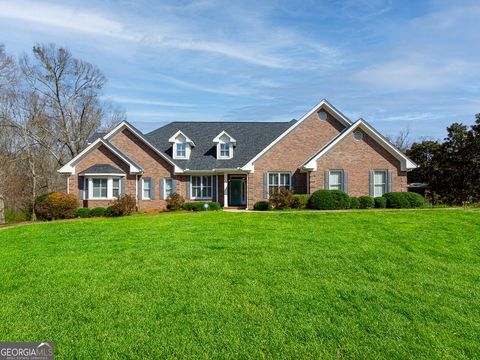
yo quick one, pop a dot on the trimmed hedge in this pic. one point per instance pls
(56, 205)
(98, 211)
(416, 200)
(354, 203)
(300, 201)
(262, 206)
(329, 200)
(366, 202)
(200, 206)
(404, 200)
(83, 213)
(380, 202)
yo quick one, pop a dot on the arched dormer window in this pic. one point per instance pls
(181, 146)
(225, 144)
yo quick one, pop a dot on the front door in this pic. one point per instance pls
(235, 192)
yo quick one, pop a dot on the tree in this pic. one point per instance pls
(401, 140)
(71, 89)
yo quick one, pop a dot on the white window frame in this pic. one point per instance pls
(149, 189)
(384, 184)
(113, 187)
(279, 184)
(201, 186)
(165, 195)
(109, 187)
(340, 184)
(229, 150)
(177, 145)
(223, 139)
(181, 138)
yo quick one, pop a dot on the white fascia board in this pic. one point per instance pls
(173, 139)
(217, 138)
(405, 161)
(69, 168)
(104, 174)
(125, 124)
(322, 104)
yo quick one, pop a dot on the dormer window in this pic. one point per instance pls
(181, 145)
(181, 151)
(225, 144)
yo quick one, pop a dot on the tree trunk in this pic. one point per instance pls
(2, 210)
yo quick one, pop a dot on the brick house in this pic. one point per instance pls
(237, 163)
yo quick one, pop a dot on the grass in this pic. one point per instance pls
(391, 284)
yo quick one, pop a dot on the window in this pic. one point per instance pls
(116, 188)
(99, 187)
(168, 187)
(201, 187)
(278, 181)
(379, 183)
(358, 135)
(225, 150)
(335, 180)
(147, 186)
(181, 150)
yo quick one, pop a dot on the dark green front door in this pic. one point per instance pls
(235, 192)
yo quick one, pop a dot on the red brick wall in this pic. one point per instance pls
(292, 151)
(357, 158)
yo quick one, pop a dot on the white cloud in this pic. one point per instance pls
(127, 100)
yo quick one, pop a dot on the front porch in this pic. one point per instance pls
(232, 190)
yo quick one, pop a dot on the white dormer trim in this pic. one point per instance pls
(179, 139)
(224, 139)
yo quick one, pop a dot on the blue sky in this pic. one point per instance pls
(397, 64)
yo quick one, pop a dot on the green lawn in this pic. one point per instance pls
(388, 284)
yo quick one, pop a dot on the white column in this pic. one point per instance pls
(225, 190)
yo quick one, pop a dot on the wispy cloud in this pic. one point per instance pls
(132, 100)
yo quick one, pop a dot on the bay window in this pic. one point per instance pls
(99, 188)
(116, 188)
(201, 187)
(103, 188)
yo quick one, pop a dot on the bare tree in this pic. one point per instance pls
(402, 140)
(71, 89)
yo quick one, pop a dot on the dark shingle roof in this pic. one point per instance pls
(251, 137)
(102, 169)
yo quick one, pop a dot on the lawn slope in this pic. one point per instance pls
(392, 284)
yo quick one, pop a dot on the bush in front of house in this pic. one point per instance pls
(397, 200)
(281, 198)
(354, 203)
(380, 203)
(416, 200)
(98, 211)
(300, 201)
(83, 213)
(262, 206)
(123, 206)
(200, 206)
(56, 205)
(175, 201)
(329, 200)
(366, 202)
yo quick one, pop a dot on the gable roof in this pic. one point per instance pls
(251, 138)
(405, 161)
(323, 104)
(69, 168)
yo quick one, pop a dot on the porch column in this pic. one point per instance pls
(225, 190)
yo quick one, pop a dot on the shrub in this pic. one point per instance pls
(200, 206)
(380, 202)
(396, 200)
(354, 203)
(12, 216)
(281, 198)
(56, 205)
(175, 201)
(416, 200)
(262, 206)
(98, 211)
(300, 201)
(83, 213)
(123, 206)
(366, 202)
(328, 200)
